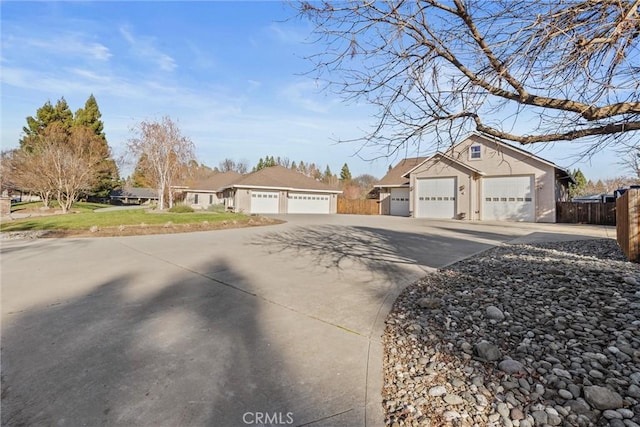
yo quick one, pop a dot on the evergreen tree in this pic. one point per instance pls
(259, 166)
(294, 166)
(302, 168)
(107, 176)
(46, 115)
(139, 177)
(269, 162)
(89, 116)
(580, 186)
(327, 173)
(345, 174)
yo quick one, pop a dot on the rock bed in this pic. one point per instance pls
(520, 335)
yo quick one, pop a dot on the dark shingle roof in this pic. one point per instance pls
(394, 176)
(217, 181)
(281, 177)
(134, 193)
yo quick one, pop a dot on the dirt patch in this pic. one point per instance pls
(145, 229)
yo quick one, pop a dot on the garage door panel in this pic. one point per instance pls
(265, 202)
(309, 203)
(400, 201)
(508, 199)
(436, 198)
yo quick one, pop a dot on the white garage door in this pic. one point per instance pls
(400, 201)
(265, 202)
(309, 203)
(436, 198)
(508, 199)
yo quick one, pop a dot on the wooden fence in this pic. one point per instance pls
(358, 207)
(628, 224)
(586, 213)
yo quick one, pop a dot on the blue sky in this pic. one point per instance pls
(231, 73)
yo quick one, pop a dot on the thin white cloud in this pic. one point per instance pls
(304, 94)
(70, 44)
(288, 34)
(144, 47)
(253, 84)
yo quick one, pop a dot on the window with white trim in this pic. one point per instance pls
(475, 152)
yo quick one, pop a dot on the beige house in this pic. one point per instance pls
(209, 191)
(480, 178)
(277, 189)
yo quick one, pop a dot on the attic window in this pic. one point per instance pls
(475, 152)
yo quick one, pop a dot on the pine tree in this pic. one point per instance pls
(46, 115)
(259, 166)
(345, 174)
(89, 116)
(580, 186)
(327, 173)
(107, 176)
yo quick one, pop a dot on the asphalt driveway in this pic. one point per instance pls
(275, 325)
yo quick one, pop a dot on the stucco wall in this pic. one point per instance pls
(495, 160)
(242, 200)
(385, 201)
(443, 168)
(203, 199)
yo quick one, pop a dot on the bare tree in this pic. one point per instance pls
(242, 167)
(528, 71)
(61, 162)
(631, 161)
(6, 178)
(167, 153)
(227, 165)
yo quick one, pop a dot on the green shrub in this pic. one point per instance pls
(216, 208)
(181, 209)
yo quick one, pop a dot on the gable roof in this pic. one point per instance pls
(395, 177)
(449, 158)
(217, 181)
(134, 193)
(281, 178)
(565, 173)
(511, 147)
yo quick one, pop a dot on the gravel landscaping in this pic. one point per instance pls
(520, 335)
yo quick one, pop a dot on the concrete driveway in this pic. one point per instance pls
(275, 325)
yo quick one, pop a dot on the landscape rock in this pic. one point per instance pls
(602, 398)
(487, 351)
(511, 366)
(561, 345)
(494, 313)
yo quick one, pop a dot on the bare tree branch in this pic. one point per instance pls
(528, 71)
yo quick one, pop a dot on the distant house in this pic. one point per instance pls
(133, 195)
(210, 191)
(479, 178)
(595, 198)
(277, 189)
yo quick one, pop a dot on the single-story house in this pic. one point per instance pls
(479, 178)
(209, 191)
(133, 195)
(595, 198)
(277, 189)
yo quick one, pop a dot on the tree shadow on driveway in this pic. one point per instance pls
(188, 351)
(380, 250)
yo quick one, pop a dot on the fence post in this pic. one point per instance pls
(628, 224)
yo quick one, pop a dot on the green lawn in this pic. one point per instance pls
(86, 218)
